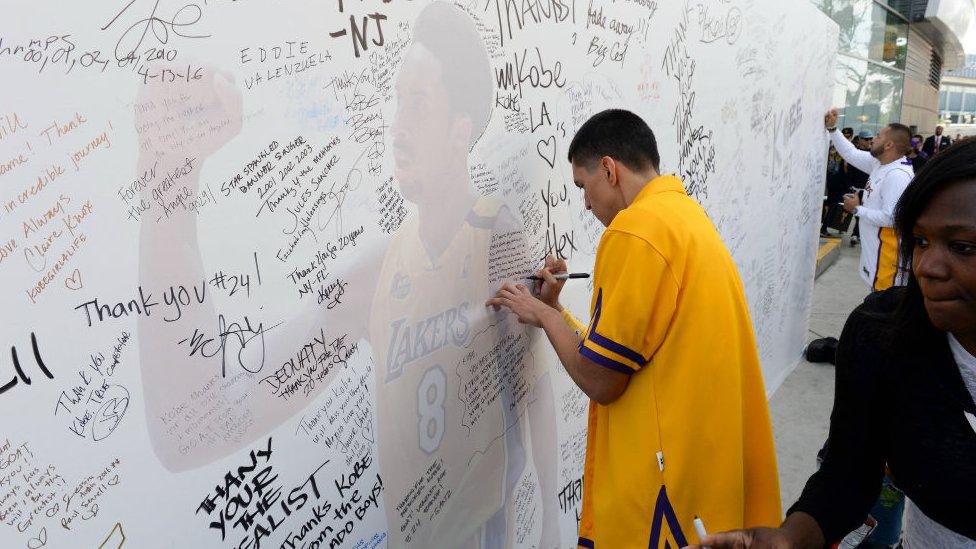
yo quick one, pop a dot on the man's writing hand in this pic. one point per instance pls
(830, 119)
(548, 289)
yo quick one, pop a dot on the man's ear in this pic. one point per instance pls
(609, 166)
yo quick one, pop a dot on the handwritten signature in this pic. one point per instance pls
(185, 17)
(243, 332)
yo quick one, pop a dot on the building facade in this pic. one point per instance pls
(891, 55)
(957, 98)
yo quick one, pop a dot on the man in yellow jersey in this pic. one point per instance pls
(678, 421)
(890, 172)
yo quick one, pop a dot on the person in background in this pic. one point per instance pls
(906, 385)
(848, 133)
(835, 187)
(862, 141)
(668, 360)
(889, 173)
(921, 141)
(916, 154)
(857, 179)
(936, 143)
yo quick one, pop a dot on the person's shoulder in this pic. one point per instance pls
(661, 211)
(881, 303)
(621, 239)
(643, 227)
(903, 169)
(873, 322)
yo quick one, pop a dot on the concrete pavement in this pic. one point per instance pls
(801, 406)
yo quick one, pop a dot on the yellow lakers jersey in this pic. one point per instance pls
(442, 455)
(691, 434)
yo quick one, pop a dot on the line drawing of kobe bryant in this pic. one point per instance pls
(433, 339)
(454, 380)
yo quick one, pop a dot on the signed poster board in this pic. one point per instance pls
(245, 246)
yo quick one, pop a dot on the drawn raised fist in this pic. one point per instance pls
(191, 115)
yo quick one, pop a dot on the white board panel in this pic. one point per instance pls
(245, 246)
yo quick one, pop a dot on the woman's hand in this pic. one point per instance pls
(798, 531)
(753, 538)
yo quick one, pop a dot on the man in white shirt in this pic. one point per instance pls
(890, 173)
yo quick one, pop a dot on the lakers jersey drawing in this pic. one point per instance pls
(444, 472)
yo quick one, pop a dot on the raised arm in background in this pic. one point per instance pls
(861, 160)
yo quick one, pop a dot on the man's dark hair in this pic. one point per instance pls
(847, 131)
(901, 135)
(451, 36)
(955, 164)
(619, 134)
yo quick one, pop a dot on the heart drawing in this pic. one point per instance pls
(73, 282)
(542, 148)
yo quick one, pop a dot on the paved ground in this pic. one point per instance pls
(801, 406)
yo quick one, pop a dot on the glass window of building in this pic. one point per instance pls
(873, 49)
(969, 101)
(955, 101)
(871, 94)
(869, 30)
(913, 10)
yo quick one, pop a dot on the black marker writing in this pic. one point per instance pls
(184, 17)
(20, 374)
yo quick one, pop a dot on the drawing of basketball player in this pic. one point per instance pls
(452, 377)
(424, 319)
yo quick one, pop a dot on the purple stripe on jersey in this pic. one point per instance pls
(608, 343)
(664, 511)
(605, 361)
(588, 543)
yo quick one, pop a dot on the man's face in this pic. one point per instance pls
(879, 144)
(423, 143)
(938, 130)
(598, 195)
(863, 143)
(848, 135)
